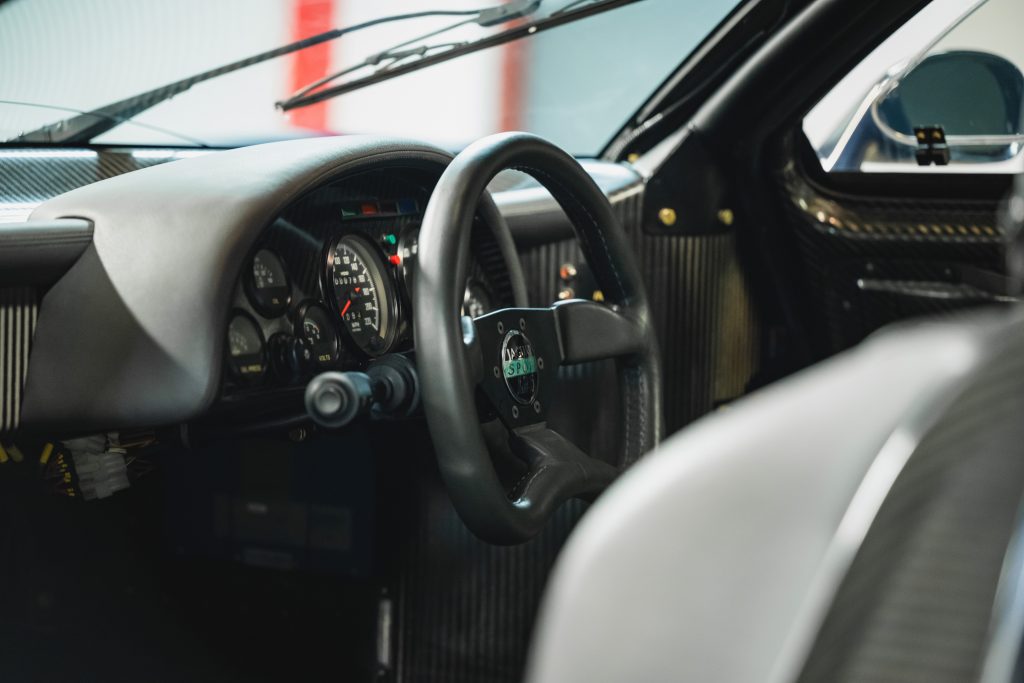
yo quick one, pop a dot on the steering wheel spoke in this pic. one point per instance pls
(590, 331)
(557, 468)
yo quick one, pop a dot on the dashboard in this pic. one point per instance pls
(328, 284)
(185, 257)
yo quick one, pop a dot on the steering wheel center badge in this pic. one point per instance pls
(519, 367)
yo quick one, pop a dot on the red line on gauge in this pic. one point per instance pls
(348, 304)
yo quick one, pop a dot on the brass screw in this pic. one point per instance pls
(667, 216)
(633, 157)
(726, 217)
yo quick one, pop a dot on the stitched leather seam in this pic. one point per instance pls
(582, 207)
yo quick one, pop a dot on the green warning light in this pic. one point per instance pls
(390, 239)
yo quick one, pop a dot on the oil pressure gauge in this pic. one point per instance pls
(247, 353)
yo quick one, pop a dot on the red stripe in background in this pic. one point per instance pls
(310, 17)
(513, 69)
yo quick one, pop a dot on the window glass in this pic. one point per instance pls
(945, 93)
(575, 84)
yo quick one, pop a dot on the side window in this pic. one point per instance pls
(944, 93)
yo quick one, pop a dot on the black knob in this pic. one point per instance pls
(333, 399)
(291, 357)
(395, 386)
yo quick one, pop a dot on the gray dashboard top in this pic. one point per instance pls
(31, 176)
(132, 334)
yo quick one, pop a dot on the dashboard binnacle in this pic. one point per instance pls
(329, 283)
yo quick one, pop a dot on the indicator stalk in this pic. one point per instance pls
(389, 388)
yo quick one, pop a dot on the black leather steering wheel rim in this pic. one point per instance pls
(455, 357)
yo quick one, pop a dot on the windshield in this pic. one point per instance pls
(575, 84)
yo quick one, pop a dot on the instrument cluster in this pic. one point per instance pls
(329, 286)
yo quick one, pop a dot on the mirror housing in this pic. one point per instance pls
(970, 102)
(975, 97)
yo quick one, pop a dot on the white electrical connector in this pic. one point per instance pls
(100, 467)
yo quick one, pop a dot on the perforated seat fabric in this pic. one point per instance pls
(720, 556)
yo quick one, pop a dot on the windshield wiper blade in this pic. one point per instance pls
(393, 53)
(397, 67)
(84, 127)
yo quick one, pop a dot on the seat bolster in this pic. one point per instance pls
(713, 557)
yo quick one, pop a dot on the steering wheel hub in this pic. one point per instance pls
(519, 367)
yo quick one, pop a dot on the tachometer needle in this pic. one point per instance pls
(344, 310)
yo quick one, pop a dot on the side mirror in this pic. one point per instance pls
(976, 99)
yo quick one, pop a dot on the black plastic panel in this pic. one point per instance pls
(930, 256)
(707, 328)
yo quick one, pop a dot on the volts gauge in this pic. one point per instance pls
(316, 326)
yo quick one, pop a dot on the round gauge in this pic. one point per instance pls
(362, 293)
(267, 284)
(247, 358)
(476, 301)
(317, 328)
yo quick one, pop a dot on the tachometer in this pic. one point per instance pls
(363, 294)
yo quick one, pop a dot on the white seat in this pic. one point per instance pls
(718, 557)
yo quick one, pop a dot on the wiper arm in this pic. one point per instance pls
(397, 66)
(394, 53)
(84, 127)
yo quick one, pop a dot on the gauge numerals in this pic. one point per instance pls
(363, 294)
(314, 324)
(267, 284)
(247, 355)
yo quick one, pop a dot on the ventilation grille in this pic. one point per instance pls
(18, 311)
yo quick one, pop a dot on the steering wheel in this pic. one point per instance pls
(500, 370)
